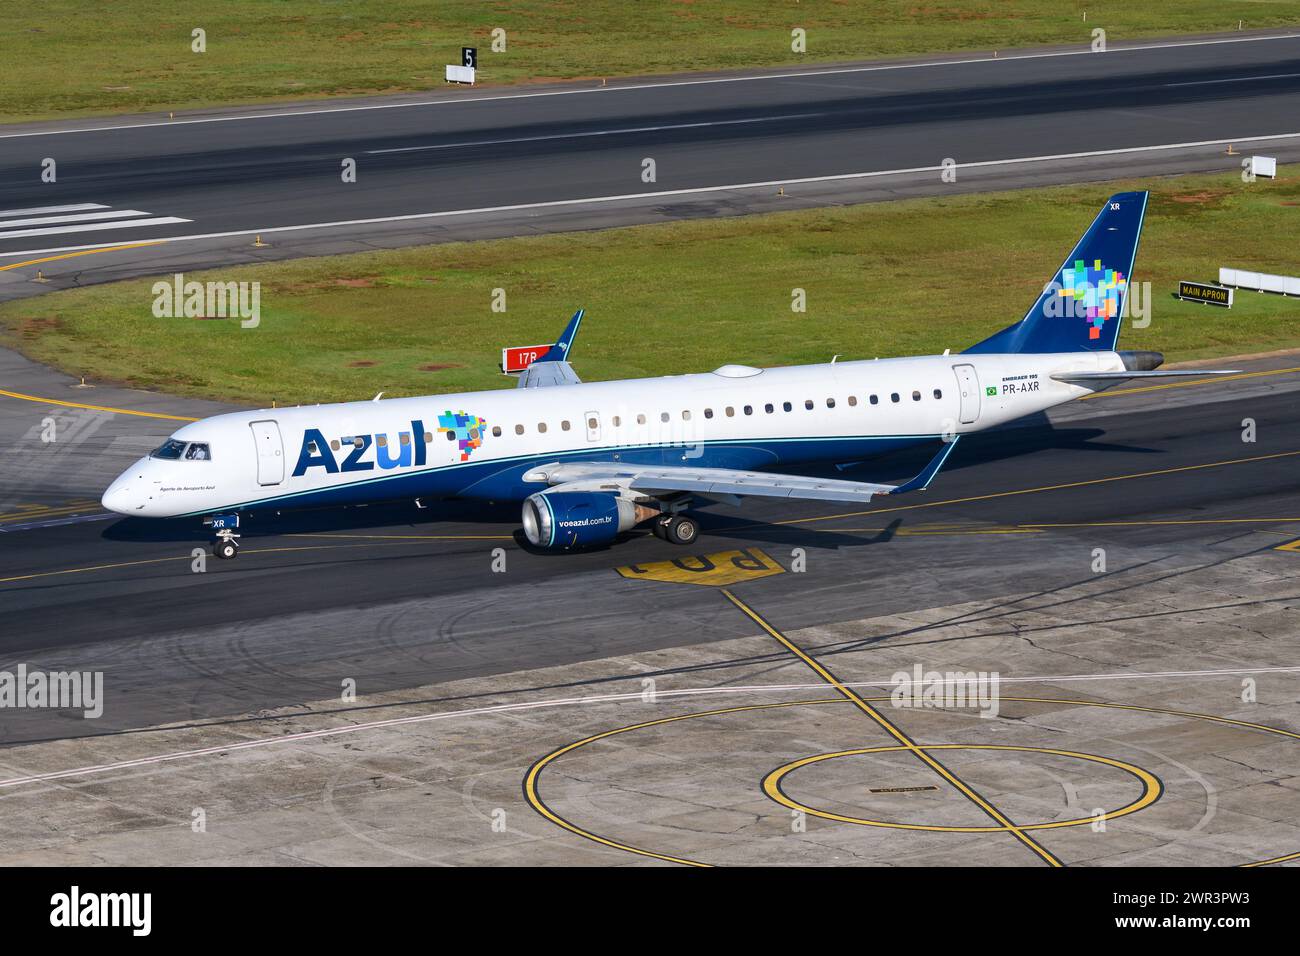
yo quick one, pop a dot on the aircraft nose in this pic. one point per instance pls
(118, 497)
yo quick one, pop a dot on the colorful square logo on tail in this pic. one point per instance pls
(467, 428)
(1096, 293)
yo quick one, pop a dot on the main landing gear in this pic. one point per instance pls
(678, 529)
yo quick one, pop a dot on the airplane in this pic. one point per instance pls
(589, 461)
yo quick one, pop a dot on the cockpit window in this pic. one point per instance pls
(174, 450)
(170, 450)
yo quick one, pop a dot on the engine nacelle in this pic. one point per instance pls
(577, 519)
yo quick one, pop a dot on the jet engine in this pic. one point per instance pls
(562, 520)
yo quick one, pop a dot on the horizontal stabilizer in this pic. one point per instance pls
(553, 368)
(1083, 378)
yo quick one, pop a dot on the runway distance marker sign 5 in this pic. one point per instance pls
(712, 570)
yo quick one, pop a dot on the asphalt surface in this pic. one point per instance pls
(461, 163)
(394, 598)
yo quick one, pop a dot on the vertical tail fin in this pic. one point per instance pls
(1081, 307)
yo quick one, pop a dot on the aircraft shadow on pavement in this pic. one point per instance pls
(391, 516)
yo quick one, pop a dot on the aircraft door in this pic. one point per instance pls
(593, 425)
(270, 452)
(968, 386)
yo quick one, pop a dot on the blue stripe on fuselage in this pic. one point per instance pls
(501, 479)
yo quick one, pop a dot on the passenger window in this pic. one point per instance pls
(708, 413)
(875, 400)
(404, 438)
(382, 441)
(894, 397)
(749, 409)
(731, 412)
(663, 416)
(496, 431)
(617, 421)
(311, 448)
(564, 425)
(334, 444)
(938, 393)
(541, 427)
(916, 396)
(360, 442)
(787, 406)
(519, 429)
(830, 403)
(640, 419)
(853, 400)
(451, 434)
(808, 404)
(428, 437)
(593, 424)
(686, 415)
(769, 408)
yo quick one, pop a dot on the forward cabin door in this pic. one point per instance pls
(968, 385)
(593, 425)
(270, 452)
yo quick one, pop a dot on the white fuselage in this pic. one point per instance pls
(735, 417)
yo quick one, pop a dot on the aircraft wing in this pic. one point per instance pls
(658, 481)
(553, 368)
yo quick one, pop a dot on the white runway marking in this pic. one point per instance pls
(638, 695)
(93, 227)
(79, 217)
(695, 190)
(1009, 57)
(601, 132)
(1237, 79)
(35, 210)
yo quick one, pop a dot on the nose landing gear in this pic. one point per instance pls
(225, 541)
(226, 546)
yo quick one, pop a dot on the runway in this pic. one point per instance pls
(464, 164)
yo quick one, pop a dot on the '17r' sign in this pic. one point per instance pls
(519, 357)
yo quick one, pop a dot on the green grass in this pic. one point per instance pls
(66, 57)
(886, 279)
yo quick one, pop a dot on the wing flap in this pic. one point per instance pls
(658, 481)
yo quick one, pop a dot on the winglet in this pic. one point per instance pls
(922, 481)
(559, 352)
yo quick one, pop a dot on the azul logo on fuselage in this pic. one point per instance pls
(317, 452)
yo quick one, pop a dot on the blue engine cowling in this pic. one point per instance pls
(562, 520)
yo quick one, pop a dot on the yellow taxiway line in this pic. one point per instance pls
(1030, 491)
(921, 753)
(1188, 384)
(83, 252)
(94, 408)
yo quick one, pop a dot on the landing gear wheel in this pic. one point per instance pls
(682, 530)
(225, 549)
